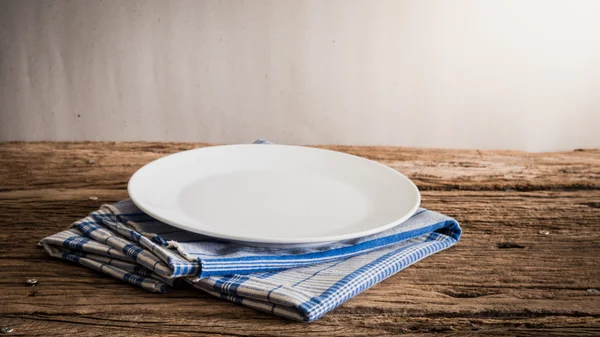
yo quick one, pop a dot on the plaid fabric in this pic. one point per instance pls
(295, 283)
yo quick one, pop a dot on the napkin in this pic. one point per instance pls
(296, 283)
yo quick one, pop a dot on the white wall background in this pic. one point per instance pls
(521, 74)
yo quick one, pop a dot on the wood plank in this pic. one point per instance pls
(503, 278)
(109, 165)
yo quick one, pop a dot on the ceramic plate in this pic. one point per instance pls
(274, 194)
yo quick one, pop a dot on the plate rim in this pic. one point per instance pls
(278, 241)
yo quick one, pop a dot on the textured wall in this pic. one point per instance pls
(476, 74)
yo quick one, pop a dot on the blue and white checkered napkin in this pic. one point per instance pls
(296, 283)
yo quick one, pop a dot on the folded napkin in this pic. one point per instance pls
(295, 283)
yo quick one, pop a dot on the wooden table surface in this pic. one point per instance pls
(507, 276)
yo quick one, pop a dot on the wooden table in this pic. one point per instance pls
(528, 262)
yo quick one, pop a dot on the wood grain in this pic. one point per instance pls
(503, 278)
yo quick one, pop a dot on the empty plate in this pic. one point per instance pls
(274, 195)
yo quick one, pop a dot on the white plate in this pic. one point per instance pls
(274, 194)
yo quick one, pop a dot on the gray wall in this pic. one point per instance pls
(473, 74)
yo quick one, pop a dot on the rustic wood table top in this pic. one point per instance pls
(528, 262)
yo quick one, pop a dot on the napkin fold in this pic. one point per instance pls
(295, 283)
